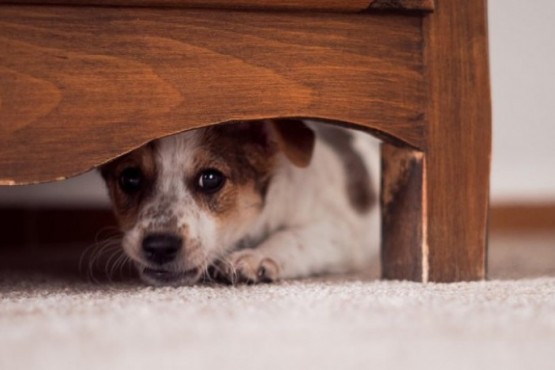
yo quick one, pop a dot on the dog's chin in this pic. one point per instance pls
(163, 277)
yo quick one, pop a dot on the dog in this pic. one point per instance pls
(248, 202)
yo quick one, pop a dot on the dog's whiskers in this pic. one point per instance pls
(206, 276)
(120, 263)
(92, 254)
(225, 268)
(111, 263)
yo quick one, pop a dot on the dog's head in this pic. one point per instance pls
(185, 200)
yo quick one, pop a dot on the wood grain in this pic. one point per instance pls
(79, 86)
(402, 197)
(447, 221)
(458, 152)
(313, 5)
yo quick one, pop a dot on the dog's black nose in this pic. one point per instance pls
(161, 248)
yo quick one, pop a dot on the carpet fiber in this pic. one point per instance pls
(61, 321)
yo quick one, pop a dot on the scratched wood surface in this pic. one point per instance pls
(317, 5)
(80, 86)
(445, 209)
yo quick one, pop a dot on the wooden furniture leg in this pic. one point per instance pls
(435, 201)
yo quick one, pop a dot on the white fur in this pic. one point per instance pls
(306, 227)
(315, 228)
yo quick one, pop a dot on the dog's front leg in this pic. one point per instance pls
(293, 253)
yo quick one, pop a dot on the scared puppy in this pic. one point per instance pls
(248, 202)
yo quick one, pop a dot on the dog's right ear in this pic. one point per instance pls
(295, 139)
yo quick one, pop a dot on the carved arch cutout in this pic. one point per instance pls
(72, 164)
(86, 86)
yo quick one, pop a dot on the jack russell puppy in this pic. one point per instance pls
(248, 202)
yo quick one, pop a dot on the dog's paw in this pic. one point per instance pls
(247, 267)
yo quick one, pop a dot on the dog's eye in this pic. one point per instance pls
(131, 180)
(210, 180)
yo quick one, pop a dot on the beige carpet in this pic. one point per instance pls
(52, 318)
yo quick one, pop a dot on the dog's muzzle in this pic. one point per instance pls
(159, 251)
(161, 248)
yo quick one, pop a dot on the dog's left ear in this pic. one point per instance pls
(295, 139)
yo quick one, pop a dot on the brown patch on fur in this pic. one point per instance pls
(295, 139)
(244, 153)
(126, 207)
(359, 187)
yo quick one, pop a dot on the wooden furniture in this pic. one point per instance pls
(83, 81)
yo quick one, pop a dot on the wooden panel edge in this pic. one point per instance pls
(422, 5)
(305, 5)
(265, 5)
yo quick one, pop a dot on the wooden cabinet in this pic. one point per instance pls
(83, 81)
